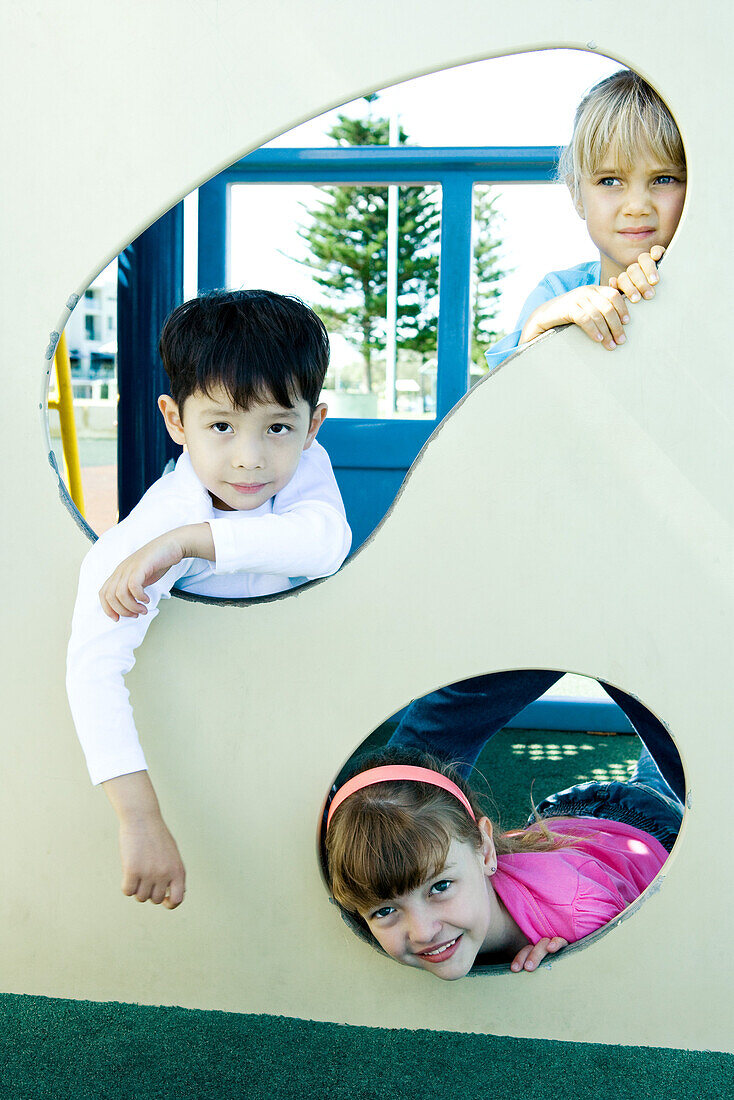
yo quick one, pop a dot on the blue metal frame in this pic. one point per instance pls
(371, 457)
(149, 286)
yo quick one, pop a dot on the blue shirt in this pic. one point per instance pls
(554, 283)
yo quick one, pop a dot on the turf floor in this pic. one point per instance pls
(54, 1048)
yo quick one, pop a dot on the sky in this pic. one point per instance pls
(527, 99)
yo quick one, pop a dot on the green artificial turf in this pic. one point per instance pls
(520, 766)
(55, 1048)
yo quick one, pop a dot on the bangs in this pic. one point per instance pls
(246, 382)
(384, 851)
(621, 119)
(623, 142)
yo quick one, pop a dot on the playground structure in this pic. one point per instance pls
(620, 473)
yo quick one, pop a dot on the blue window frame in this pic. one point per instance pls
(371, 457)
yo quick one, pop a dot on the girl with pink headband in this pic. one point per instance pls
(418, 869)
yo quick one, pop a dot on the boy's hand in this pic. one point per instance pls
(123, 594)
(599, 311)
(531, 956)
(151, 865)
(152, 869)
(640, 278)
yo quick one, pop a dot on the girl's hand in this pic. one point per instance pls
(640, 278)
(531, 956)
(599, 311)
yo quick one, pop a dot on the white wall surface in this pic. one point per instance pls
(615, 495)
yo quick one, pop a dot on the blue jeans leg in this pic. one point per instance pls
(455, 722)
(655, 738)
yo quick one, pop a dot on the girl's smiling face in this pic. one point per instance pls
(447, 921)
(629, 209)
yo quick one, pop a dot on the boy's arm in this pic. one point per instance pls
(123, 594)
(306, 535)
(100, 654)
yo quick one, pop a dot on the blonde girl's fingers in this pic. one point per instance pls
(639, 279)
(605, 320)
(614, 313)
(627, 287)
(649, 268)
(589, 319)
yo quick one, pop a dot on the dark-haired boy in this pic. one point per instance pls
(251, 508)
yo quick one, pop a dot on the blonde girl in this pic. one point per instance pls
(625, 169)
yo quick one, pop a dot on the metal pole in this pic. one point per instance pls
(65, 408)
(391, 313)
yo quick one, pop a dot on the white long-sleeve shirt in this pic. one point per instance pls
(298, 535)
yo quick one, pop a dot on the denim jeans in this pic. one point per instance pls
(455, 722)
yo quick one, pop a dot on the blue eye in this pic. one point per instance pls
(608, 181)
(441, 886)
(665, 180)
(384, 911)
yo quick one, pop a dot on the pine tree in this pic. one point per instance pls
(486, 273)
(347, 239)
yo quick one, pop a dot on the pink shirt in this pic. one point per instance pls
(573, 891)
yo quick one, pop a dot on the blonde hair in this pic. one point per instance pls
(624, 115)
(386, 839)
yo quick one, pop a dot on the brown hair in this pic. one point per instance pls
(622, 114)
(386, 839)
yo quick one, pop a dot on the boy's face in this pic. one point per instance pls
(242, 458)
(627, 211)
(442, 925)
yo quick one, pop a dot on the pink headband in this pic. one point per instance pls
(397, 771)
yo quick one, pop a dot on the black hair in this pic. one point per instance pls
(257, 344)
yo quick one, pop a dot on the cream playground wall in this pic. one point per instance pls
(574, 512)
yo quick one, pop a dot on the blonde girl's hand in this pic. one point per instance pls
(640, 278)
(599, 311)
(531, 956)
